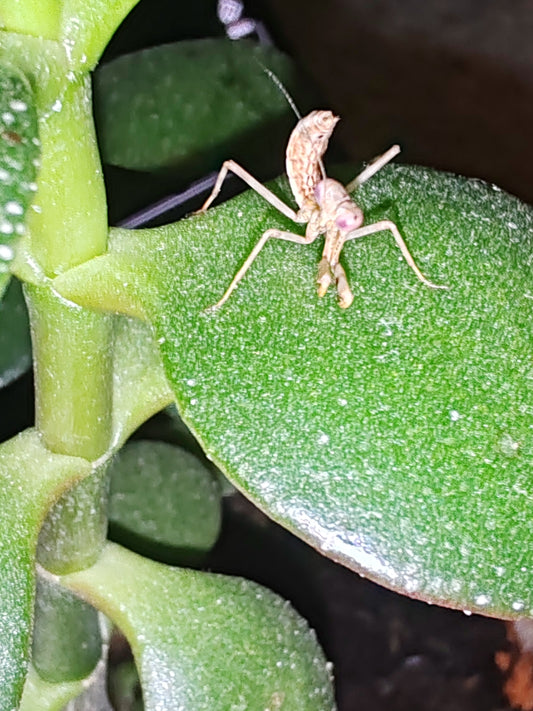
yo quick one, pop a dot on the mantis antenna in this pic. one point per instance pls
(277, 81)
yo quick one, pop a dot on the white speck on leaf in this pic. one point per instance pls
(482, 600)
(14, 208)
(6, 228)
(6, 253)
(18, 105)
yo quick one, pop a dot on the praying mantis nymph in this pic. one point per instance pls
(323, 203)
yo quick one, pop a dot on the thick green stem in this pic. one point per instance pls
(40, 18)
(73, 374)
(72, 346)
(68, 225)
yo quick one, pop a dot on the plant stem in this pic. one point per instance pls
(69, 219)
(72, 346)
(73, 376)
(33, 17)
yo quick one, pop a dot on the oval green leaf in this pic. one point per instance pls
(19, 159)
(395, 436)
(46, 696)
(207, 642)
(189, 103)
(140, 388)
(31, 478)
(163, 502)
(67, 642)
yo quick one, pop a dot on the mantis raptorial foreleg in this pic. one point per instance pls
(268, 195)
(326, 273)
(372, 168)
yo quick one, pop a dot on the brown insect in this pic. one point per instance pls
(324, 204)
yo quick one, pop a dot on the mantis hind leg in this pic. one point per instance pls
(269, 234)
(388, 226)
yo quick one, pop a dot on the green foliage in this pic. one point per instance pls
(163, 502)
(140, 388)
(48, 696)
(204, 641)
(152, 109)
(15, 346)
(31, 479)
(97, 377)
(393, 436)
(63, 621)
(125, 688)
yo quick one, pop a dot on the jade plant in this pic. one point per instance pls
(394, 436)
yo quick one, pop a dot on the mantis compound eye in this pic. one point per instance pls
(349, 220)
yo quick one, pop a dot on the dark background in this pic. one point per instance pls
(450, 80)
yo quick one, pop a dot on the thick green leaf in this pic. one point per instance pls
(45, 696)
(19, 159)
(125, 687)
(75, 528)
(5, 278)
(207, 642)
(31, 478)
(87, 27)
(67, 643)
(395, 436)
(163, 502)
(140, 388)
(15, 343)
(184, 101)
